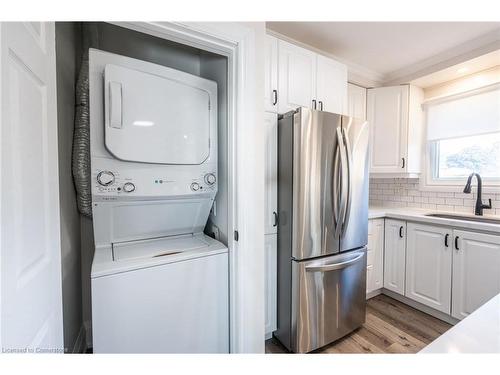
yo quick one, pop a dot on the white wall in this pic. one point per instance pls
(67, 58)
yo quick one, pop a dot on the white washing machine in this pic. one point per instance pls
(159, 285)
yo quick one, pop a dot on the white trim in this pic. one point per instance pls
(245, 138)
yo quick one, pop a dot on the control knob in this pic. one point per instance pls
(105, 178)
(195, 186)
(128, 187)
(210, 178)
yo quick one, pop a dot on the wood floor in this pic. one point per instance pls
(390, 327)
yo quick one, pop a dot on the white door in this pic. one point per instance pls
(476, 271)
(271, 283)
(356, 101)
(428, 265)
(271, 74)
(271, 197)
(395, 255)
(30, 252)
(387, 113)
(331, 85)
(297, 77)
(375, 255)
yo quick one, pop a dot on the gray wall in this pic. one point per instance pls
(214, 67)
(67, 58)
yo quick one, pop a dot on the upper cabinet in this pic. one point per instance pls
(396, 121)
(271, 74)
(297, 77)
(356, 101)
(331, 85)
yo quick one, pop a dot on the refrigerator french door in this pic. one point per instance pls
(322, 227)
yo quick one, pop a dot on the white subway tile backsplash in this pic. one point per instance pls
(400, 192)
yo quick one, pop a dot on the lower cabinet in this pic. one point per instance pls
(271, 280)
(375, 255)
(476, 271)
(428, 265)
(395, 255)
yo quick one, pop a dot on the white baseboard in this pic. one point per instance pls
(80, 344)
(419, 306)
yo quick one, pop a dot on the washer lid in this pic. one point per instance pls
(158, 247)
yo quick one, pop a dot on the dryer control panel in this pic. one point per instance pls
(143, 183)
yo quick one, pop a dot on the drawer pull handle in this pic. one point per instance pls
(446, 239)
(401, 231)
(456, 243)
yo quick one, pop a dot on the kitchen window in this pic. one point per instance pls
(463, 136)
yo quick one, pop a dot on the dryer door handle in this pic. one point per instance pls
(115, 105)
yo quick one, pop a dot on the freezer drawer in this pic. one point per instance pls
(328, 299)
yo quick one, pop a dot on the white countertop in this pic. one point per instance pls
(418, 215)
(478, 333)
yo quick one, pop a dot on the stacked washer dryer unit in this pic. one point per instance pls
(158, 283)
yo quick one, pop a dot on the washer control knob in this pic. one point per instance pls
(210, 178)
(128, 187)
(105, 178)
(195, 186)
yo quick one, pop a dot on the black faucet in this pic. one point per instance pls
(479, 202)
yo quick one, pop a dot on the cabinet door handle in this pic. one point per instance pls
(456, 243)
(401, 231)
(320, 105)
(275, 97)
(314, 104)
(275, 214)
(446, 239)
(403, 163)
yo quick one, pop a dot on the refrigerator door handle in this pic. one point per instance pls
(347, 214)
(334, 266)
(343, 183)
(335, 188)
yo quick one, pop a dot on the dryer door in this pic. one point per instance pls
(156, 118)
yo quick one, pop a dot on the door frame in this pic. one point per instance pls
(245, 190)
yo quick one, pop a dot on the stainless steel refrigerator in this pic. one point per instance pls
(322, 227)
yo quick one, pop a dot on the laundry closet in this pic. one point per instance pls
(155, 258)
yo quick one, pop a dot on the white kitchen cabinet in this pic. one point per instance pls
(428, 265)
(271, 283)
(331, 88)
(476, 271)
(306, 79)
(375, 255)
(271, 74)
(271, 173)
(395, 255)
(297, 77)
(356, 101)
(396, 122)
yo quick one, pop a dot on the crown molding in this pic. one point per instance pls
(463, 52)
(357, 74)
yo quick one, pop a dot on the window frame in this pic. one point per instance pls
(430, 182)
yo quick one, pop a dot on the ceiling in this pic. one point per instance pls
(392, 50)
(467, 68)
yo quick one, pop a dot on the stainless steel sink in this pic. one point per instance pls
(467, 218)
